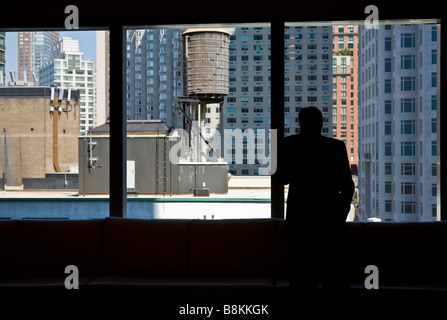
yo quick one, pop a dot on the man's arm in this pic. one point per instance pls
(346, 182)
(282, 168)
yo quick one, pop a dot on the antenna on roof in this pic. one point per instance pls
(12, 76)
(34, 78)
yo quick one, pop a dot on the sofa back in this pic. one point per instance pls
(355, 251)
(9, 236)
(146, 247)
(411, 253)
(232, 247)
(198, 248)
(404, 252)
(41, 248)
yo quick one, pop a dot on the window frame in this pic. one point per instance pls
(117, 27)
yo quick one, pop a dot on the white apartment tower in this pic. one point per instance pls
(70, 70)
(398, 102)
(2, 59)
(102, 76)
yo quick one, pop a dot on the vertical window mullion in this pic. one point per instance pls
(118, 150)
(277, 112)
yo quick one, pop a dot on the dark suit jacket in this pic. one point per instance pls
(320, 183)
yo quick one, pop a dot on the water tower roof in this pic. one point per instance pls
(199, 30)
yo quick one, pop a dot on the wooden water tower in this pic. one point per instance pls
(206, 75)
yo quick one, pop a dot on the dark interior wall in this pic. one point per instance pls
(100, 14)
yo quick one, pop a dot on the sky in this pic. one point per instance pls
(87, 45)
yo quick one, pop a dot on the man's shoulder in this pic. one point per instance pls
(292, 137)
(296, 138)
(333, 141)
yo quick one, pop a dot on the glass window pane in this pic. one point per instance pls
(407, 102)
(203, 128)
(52, 159)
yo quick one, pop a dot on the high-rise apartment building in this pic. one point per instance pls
(154, 80)
(2, 59)
(35, 48)
(308, 74)
(344, 94)
(308, 82)
(398, 105)
(70, 70)
(247, 105)
(154, 74)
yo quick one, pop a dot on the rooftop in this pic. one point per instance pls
(247, 197)
(135, 126)
(239, 188)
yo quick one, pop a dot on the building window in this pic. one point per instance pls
(433, 125)
(387, 106)
(408, 207)
(407, 127)
(387, 44)
(434, 56)
(407, 62)
(388, 149)
(434, 102)
(408, 188)
(434, 79)
(407, 105)
(407, 40)
(408, 169)
(407, 83)
(408, 148)
(387, 86)
(387, 127)
(434, 190)
(388, 187)
(434, 170)
(434, 34)
(388, 65)
(434, 152)
(434, 211)
(388, 206)
(388, 168)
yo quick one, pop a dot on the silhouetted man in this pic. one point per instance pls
(319, 199)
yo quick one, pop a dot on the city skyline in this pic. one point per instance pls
(150, 70)
(87, 43)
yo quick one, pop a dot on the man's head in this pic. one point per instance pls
(311, 120)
